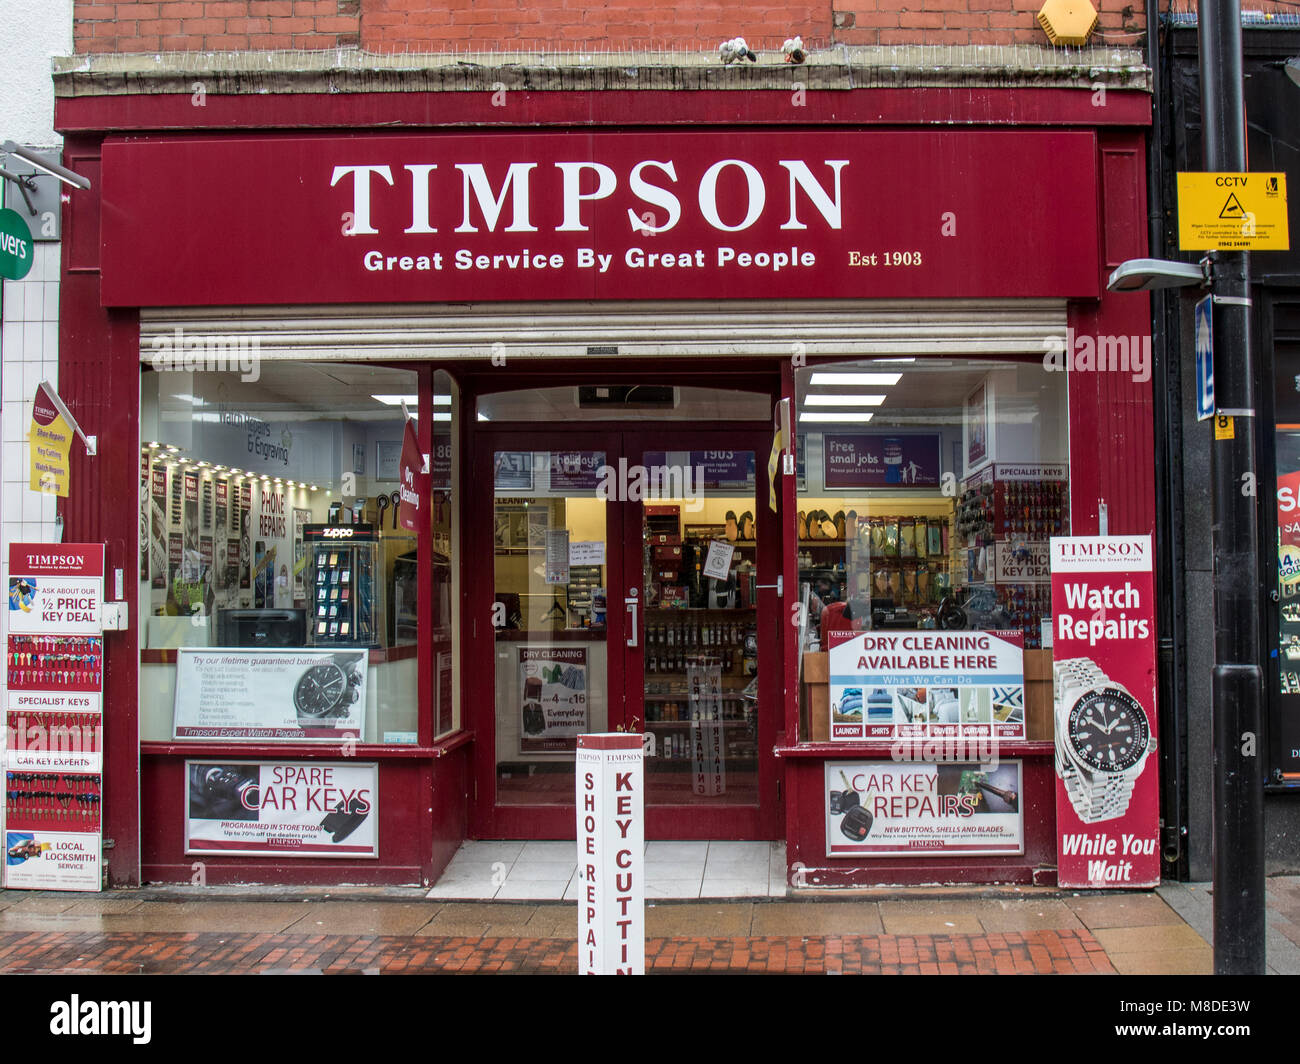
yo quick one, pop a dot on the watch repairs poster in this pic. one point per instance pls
(922, 808)
(553, 689)
(914, 684)
(302, 809)
(1104, 711)
(269, 694)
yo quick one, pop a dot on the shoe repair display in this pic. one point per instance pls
(732, 529)
(803, 525)
(747, 525)
(840, 524)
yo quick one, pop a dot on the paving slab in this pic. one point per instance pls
(817, 918)
(928, 918)
(1149, 939)
(1164, 962)
(1122, 910)
(1024, 915)
(362, 918)
(217, 915)
(711, 921)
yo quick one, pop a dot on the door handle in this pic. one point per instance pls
(633, 609)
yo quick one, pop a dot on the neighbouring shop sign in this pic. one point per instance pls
(17, 250)
(1104, 684)
(554, 709)
(263, 695)
(738, 213)
(50, 446)
(282, 809)
(413, 483)
(880, 460)
(922, 684)
(916, 809)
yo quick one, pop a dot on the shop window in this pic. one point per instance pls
(928, 492)
(278, 587)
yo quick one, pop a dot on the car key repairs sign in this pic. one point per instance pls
(610, 792)
(923, 809)
(926, 684)
(284, 809)
(1104, 711)
(261, 695)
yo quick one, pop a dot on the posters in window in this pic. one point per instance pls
(266, 695)
(554, 709)
(923, 808)
(916, 684)
(282, 809)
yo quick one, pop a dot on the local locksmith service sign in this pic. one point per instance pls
(1104, 711)
(56, 588)
(915, 684)
(282, 809)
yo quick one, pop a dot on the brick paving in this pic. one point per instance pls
(214, 952)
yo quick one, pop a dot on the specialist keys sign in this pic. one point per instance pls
(1104, 711)
(56, 588)
(915, 684)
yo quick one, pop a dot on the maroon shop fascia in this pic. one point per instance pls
(876, 195)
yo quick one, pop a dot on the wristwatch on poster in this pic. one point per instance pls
(1103, 739)
(327, 690)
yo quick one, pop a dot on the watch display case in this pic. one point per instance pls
(343, 595)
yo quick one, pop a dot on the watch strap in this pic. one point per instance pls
(1103, 797)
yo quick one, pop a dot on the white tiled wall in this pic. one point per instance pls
(29, 354)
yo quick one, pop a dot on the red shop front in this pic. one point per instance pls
(452, 443)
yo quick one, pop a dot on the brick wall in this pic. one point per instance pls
(215, 25)
(572, 25)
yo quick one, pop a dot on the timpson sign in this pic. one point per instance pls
(727, 214)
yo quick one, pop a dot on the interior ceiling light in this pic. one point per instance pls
(1068, 21)
(398, 400)
(843, 400)
(841, 418)
(860, 380)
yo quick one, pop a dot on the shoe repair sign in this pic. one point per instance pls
(1104, 711)
(303, 809)
(911, 809)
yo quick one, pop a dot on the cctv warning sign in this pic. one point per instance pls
(1232, 212)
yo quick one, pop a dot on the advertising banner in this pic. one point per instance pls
(56, 588)
(413, 482)
(310, 809)
(708, 470)
(1104, 709)
(916, 809)
(912, 684)
(51, 444)
(1021, 561)
(52, 860)
(54, 656)
(881, 460)
(266, 695)
(576, 470)
(554, 709)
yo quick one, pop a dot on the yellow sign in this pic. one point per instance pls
(50, 443)
(1232, 212)
(1223, 429)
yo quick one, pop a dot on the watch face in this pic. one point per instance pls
(319, 690)
(1108, 730)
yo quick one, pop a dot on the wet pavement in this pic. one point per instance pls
(954, 930)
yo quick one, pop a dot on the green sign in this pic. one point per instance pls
(16, 248)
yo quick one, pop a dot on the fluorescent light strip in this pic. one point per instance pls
(856, 380)
(843, 400)
(840, 418)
